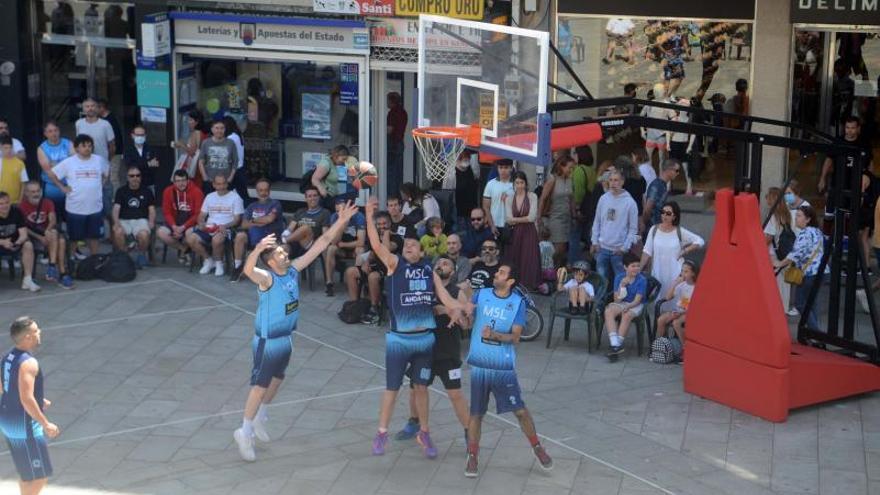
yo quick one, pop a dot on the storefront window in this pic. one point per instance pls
(84, 18)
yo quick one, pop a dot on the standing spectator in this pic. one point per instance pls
(658, 191)
(14, 240)
(218, 155)
(348, 244)
(646, 168)
(261, 218)
(50, 153)
(17, 147)
(181, 204)
(462, 263)
(614, 228)
(134, 214)
(117, 171)
(633, 183)
(42, 224)
(807, 256)
(522, 252)
(739, 104)
(325, 179)
(583, 179)
(780, 221)
(396, 129)
(343, 160)
(630, 291)
(307, 225)
(673, 60)
(104, 145)
(13, 173)
(657, 138)
(557, 206)
(473, 236)
(620, 33)
(794, 201)
(85, 174)
(681, 144)
(464, 180)
(590, 203)
(141, 155)
(198, 132)
(666, 245)
(434, 241)
(221, 212)
(493, 207)
(239, 180)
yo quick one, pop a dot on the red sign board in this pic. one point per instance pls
(376, 8)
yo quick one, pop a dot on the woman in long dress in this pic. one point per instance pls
(523, 252)
(666, 245)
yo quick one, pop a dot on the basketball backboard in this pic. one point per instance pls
(492, 76)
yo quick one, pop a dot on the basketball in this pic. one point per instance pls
(363, 175)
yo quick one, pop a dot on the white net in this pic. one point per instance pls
(439, 150)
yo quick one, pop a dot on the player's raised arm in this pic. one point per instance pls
(380, 250)
(321, 243)
(258, 275)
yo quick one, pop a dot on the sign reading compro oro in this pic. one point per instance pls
(461, 9)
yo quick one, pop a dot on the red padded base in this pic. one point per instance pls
(819, 376)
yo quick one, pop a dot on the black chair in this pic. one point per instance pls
(559, 308)
(643, 322)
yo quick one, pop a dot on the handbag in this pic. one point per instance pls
(794, 274)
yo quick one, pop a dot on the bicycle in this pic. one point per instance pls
(534, 321)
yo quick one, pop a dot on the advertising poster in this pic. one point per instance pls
(316, 115)
(348, 79)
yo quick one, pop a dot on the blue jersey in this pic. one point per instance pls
(278, 307)
(500, 314)
(14, 420)
(411, 297)
(56, 154)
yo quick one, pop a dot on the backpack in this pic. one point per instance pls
(306, 180)
(665, 350)
(118, 268)
(785, 244)
(353, 311)
(89, 268)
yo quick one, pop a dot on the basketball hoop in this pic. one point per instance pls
(441, 146)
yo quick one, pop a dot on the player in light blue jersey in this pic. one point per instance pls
(22, 420)
(274, 323)
(409, 342)
(499, 317)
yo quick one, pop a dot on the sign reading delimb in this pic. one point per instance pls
(461, 9)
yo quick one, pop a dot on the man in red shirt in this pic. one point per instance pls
(181, 203)
(396, 123)
(42, 224)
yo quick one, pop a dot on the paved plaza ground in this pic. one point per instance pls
(148, 380)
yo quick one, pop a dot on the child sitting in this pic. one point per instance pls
(434, 240)
(680, 296)
(580, 291)
(630, 292)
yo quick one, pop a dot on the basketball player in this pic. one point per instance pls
(275, 321)
(410, 340)
(22, 420)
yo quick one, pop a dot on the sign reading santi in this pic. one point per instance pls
(461, 9)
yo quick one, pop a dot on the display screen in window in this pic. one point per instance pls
(690, 59)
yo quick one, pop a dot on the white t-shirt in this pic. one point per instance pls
(647, 171)
(85, 178)
(239, 147)
(17, 147)
(221, 210)
(100, 131)
(494, 189)
(620, 27)
(684, 292)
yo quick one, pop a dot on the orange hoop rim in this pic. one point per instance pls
(470, 135)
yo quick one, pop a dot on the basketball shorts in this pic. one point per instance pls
(30, 456)
(271, 357)
(502, 384)
(404, 351)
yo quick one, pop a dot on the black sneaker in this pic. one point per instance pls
(614, 352)
(329, 290)
(235, 276)
(371, 318)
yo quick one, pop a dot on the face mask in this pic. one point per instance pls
(139, 140)
(789, 198)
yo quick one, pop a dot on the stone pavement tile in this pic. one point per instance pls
(364, 475)
(706, 410)
(833, 481)
(165, 487)
(873, 487)
(156, 449)
(130, 473)
(742, 423)
(872, 460)
(562, 477)
(296, 486)
(209, 438)
(209, 480)
(750, 457)
(501, 480)
(842, 453)
(328, 471)
(731, 484)
(706, 432)
(790, 443)
(795, 475)
(97, 461)
(714, 453)
(158, 410)
(410, 474)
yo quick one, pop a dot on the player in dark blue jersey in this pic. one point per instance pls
(499, 317)
(274, 323)
(22, 420)
(410, 340)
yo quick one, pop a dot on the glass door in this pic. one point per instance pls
(857, 76)
(808, 80)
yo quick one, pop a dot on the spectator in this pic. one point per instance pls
(141, 155)
(42, 225)
(483, 271)
(614, 228)
(262, 217)
(493, 207)
(17, 147)
(461, 262)
(434, 241)
(464, 180)
(628, 300)
(181, 204)
(239, 180)
(115, 158)
(794, 201)
(583, 176)
(620, 33)
(349, 244)
(50, 153)
(134, 214)
(221, 211)
(198, 132)
(474, 235)
(400, 224)
(307, 225)
(658, 191)
(740, 104)
(13, 173)
(557, 206)
(548, 260)
(104, 145)
(522, 252)
(657, 138)
(580, 290)
(633, 183)
(218, 155)
(646, 168)
(367, 265)
(14, 240)
(395, 124)
(780, 221)
(344, 160)
(666, 245)
(807, 256)
(85, 173)
(679, 295)
(418, 205)
(591, 202)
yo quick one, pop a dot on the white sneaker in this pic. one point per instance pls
(29, 284)
(793, 312)
(218, 269)
(245, 445)
(260, 430)
(862, 298)
(207, 266)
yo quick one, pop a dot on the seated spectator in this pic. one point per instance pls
(418, 205)
(473, 237)
(580, 291)
(134, 215)
(369, 265)
(307, 225)
(14, 240)
(349, 244)
(139, 154)
(13, 173)
(221, 211)
(434, 241)
(628, 300)
(42, 222)
(181, 204)
(262, 217)
(483, 271)
(679, 297)
(400, 224)
(453, 252)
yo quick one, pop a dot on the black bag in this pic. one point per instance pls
(306, 180)
(118, 268)
(89, 268)
(353, 311)
(785, 243)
